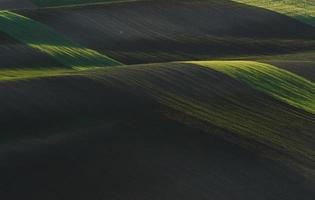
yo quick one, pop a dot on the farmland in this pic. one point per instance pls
(157, 99)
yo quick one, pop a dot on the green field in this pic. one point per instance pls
(303, 10)
(43, 38)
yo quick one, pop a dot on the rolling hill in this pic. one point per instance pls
(44, 39)
(177, 105)
(156, 99)
(158, 31)
(170, 31)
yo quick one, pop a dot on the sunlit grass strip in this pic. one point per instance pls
(63, 2)
(73, 2)
(281, 84)
(303, 10)
(43, 38)
(32, 73)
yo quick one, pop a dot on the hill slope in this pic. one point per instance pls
(14, 54)
(303, 10)
(181, 130)
(90, 125)
(41, 37)
(155, 31)
(278, 83)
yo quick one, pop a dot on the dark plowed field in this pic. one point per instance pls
(106, 137)
(149, 129)
(153, 31)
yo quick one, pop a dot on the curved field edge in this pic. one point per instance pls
(302, 10)
(281, 84)
(43, 38)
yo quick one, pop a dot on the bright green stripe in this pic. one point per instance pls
(69, 2)
(303, 10)
(279, 83)
(41, 37)
(63, 2)
(30, 73)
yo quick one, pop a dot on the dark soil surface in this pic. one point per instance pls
(160, 30)
(74, 137)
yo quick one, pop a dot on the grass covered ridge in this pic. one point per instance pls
(303, 10)
(43, 38)
(281, 84)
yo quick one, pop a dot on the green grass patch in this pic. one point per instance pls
(307, 56)
(45, 39)
(32, 73)
(281, 84)
(72, 2)
(303, 10)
